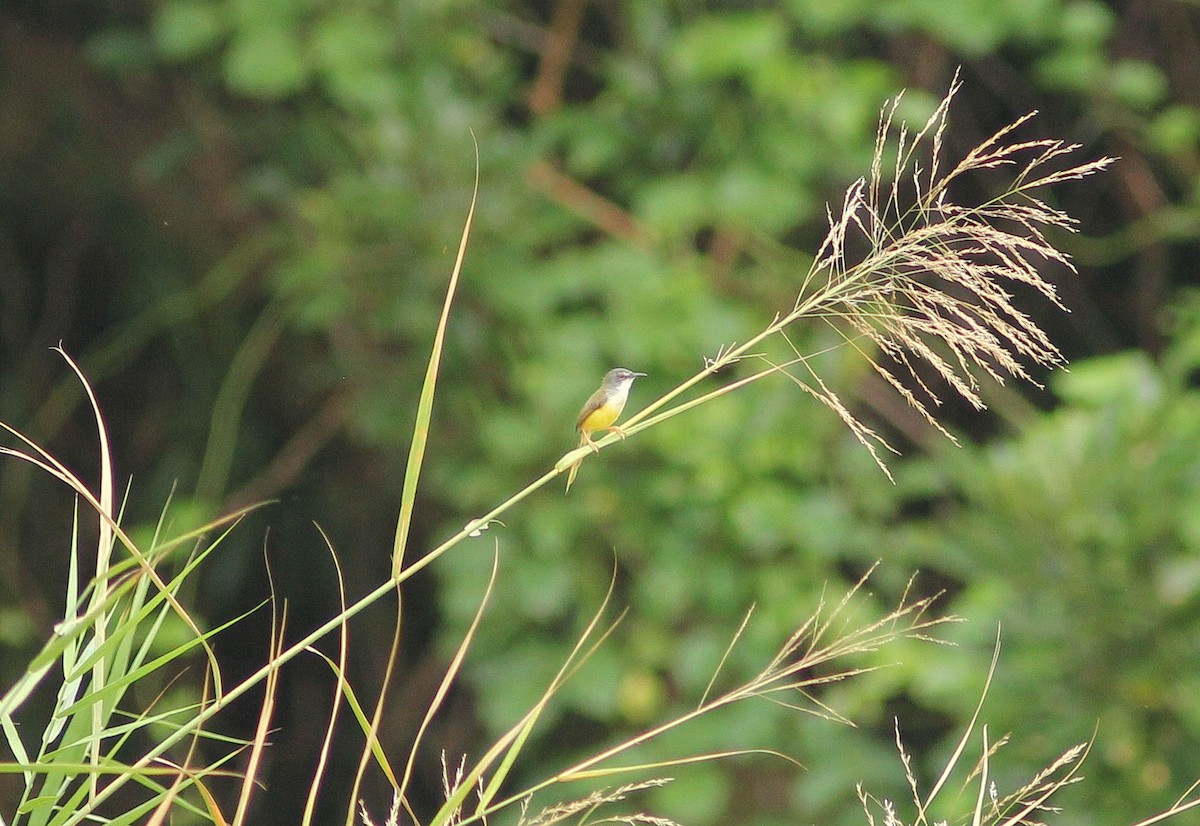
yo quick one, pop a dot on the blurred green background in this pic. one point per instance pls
(240, 216)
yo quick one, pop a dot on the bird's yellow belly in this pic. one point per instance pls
(600, 418)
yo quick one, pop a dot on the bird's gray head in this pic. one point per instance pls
(619, 376)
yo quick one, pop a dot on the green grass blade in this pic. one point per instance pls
(133, 676)
(68, 692)
(416, 453)
(360, 715)
(129, 625)
(13, 738)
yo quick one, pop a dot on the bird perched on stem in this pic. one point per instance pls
(602, 409)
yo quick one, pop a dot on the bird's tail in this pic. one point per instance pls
(575, 467)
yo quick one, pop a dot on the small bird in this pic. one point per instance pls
(602, 409)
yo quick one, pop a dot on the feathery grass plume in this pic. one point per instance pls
(1022, 807)
(393, 818)
(908, 274)
(587, 806)
(811, 656)
(1018, 808)
(933, 286)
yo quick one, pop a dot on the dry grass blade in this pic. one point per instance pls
(448, 680)
(263, 728)
(314, 787)
(1181, 805)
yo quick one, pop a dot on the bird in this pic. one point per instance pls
(602, 409)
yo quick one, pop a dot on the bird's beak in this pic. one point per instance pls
(638, 374)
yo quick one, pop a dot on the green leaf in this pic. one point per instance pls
(733, 44)
(351, 52)
(1087, 23)
(695, 795)
(1138, 84)
(247, 15)
(345, 40)
(267, 64)
(1098, 382)
(1175, 130)
(831, 17)
(1076, 69)
(185, 29)
(677, 204)
(756, 199)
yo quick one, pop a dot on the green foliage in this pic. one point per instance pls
(115, 648)
(314, 158)
(1078, 537)
(186, 29)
